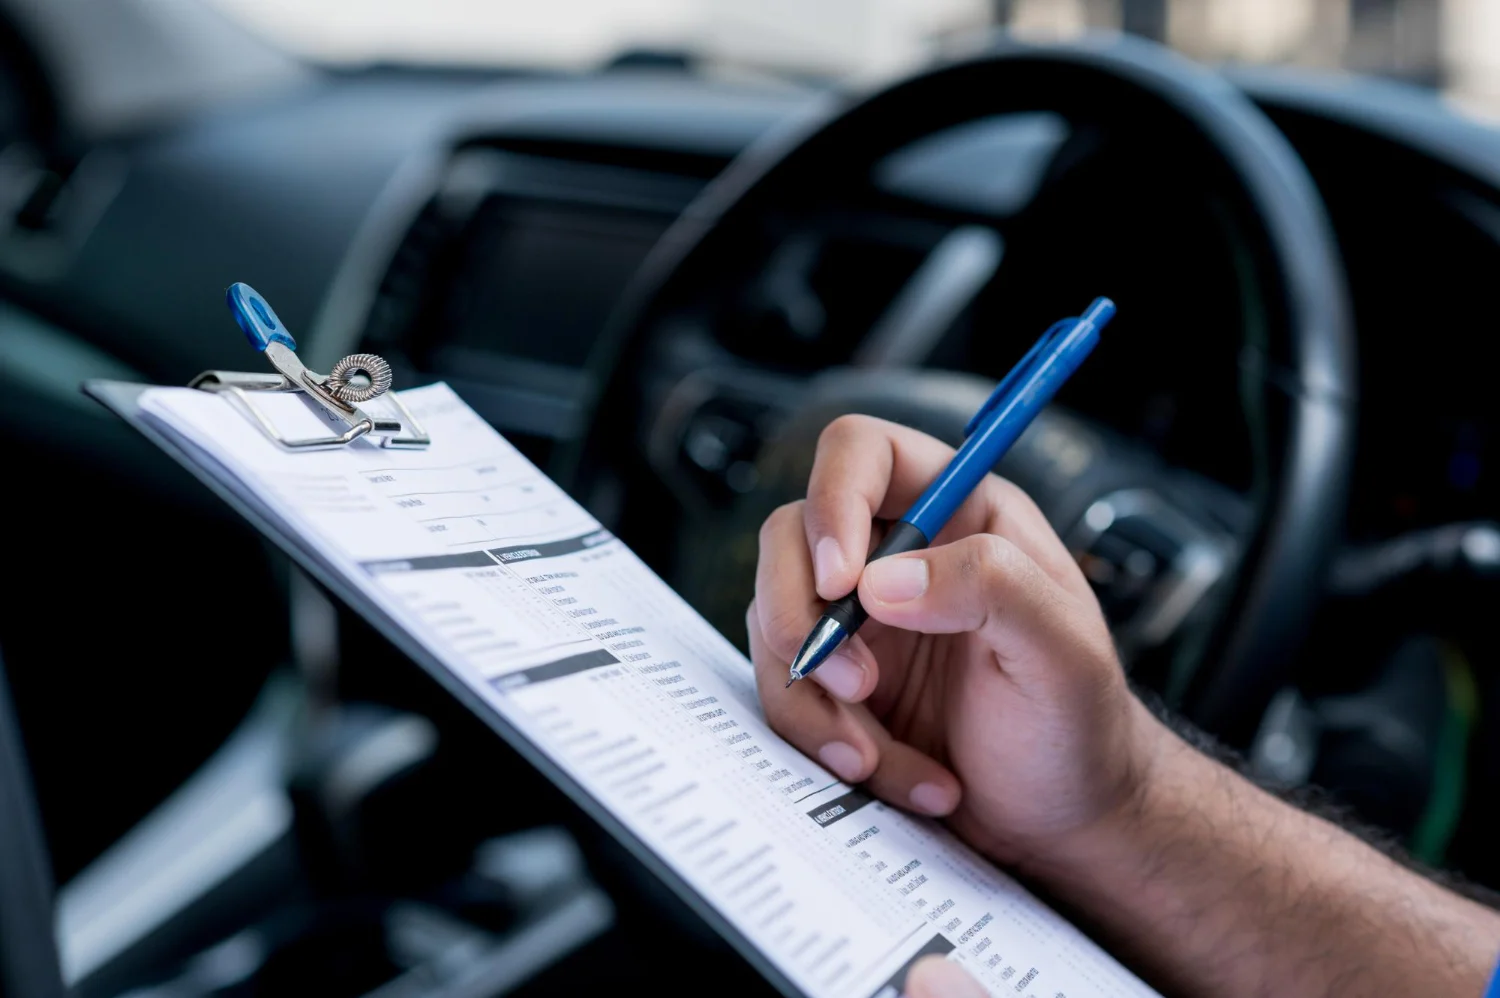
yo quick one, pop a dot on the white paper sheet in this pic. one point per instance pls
(561, 630)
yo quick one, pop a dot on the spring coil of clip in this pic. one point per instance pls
(364, 366)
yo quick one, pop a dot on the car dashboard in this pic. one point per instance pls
(483, 232)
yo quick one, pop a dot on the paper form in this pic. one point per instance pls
(561, 630)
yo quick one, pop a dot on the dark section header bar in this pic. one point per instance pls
(530, 552)
(483, 559)
(839, 808)
(474, 559)
(554, 670)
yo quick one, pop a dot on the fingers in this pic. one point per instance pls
(904, 776)
(846, 738)
(867, 468)
(864, 468)
(936, 977)
(985, 584)
(850, 479)
(807, 716)
(788, 607)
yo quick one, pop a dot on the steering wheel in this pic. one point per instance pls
(717, 364)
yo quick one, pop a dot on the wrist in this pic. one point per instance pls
(1160, 770)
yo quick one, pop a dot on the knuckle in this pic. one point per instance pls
(844, 431)
(995, 561)
(772, 527)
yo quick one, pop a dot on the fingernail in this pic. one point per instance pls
(828, 561)
(930, 798)
(939, 978)
(841, 674)
(842, 760)
(896, 580)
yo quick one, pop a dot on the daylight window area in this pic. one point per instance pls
(1450, 44)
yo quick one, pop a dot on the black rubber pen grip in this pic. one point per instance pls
(901, 538)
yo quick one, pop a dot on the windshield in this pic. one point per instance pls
(1453, 44)
(821, 37)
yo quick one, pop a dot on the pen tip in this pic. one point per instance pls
(789, 682)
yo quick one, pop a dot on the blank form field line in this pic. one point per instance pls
(496, 487)
(493, 513)
(487, 462)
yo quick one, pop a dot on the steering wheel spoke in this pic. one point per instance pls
(1153, 564)
(703, 439)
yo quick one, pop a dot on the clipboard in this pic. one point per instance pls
(339, 396)
(876, 929)
(123, 399)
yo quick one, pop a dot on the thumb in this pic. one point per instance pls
(986, 585)
(935, 977)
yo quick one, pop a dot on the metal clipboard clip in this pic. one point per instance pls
(360, 377)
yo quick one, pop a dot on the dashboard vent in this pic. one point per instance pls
(646, 159)
(403, 292)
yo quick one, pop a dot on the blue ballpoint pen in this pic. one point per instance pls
(995, 427)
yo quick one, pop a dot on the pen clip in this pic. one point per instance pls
(1017, 374)
(1099, 312)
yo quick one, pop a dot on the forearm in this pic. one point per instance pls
(1218, 888)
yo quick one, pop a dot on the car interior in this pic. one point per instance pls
(660, 283)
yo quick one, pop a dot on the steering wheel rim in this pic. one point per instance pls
(1303, 373)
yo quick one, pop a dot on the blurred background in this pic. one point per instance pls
(1452, 45)
(659, 245)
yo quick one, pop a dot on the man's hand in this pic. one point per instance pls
(984, 688)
